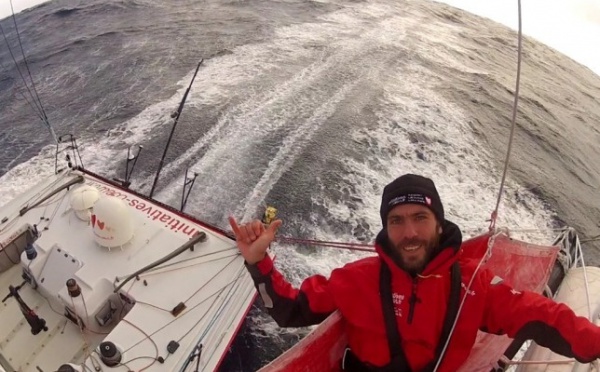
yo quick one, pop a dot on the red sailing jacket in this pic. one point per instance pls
(420, 307)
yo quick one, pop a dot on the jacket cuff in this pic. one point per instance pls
(261, 268)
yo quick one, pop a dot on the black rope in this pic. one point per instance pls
(37, 113)
(38, 109)
(592, 239)
(4, 68)
(27, 64)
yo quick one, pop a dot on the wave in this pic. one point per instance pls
(65, 12)
(88, 9)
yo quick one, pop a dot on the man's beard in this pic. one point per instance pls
(416, 267)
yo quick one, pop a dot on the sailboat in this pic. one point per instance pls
(95, 275)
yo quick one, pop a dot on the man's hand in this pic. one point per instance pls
(253, 239)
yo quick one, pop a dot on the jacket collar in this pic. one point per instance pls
(445, 255)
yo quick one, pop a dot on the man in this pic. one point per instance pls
(400, 307)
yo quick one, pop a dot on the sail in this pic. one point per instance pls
(525, 267)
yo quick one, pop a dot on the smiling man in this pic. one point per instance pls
(413, 221)
(399, 307)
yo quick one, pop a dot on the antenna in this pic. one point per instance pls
(74, 159)
(188, 183)
(131, 159)
(176, 117)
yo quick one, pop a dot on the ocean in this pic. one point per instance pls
(311, 107)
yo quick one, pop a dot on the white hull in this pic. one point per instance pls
(210, 281)
(572, 292)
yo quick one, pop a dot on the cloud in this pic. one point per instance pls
(18, 5)
(572, 27)
(588, 10)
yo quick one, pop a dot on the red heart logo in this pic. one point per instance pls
(101, 225)
(93, 220)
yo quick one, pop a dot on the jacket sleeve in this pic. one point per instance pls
(550, 324)
(291, 307)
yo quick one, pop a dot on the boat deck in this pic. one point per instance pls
(197, 297)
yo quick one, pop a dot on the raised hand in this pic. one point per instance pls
(253, 239)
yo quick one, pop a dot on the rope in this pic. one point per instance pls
(147, 337)
(25, 59)
(184, 313)
(349, 246)
(205, 284)
(217, 314)
(219, 291)
(369, 247)
(35, 198)
(196, 292)
(512, 129)
(21, 93)
(45, 117)
(507, 361)
(201, 318)
(38, 110)
(486, 256)
(155, 270)
(592, 239)
(58, 203)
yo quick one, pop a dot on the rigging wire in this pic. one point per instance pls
(39, 108)
(218, 292)
(514, 121)
(331, 244)
(34, 108)
(25, 60)
(148, 337)
(591, 239)
(495, 212)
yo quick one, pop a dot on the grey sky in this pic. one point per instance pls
(570, 26)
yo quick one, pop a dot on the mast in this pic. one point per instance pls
(176, 117)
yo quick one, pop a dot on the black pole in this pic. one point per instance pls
(177, 114)
(188, 183)
(36, 323)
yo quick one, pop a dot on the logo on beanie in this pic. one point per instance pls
(410, 189)
(410, 199)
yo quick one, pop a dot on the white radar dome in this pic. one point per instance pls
(82, 200)
(111, 222)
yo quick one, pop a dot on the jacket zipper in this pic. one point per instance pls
(413, 300)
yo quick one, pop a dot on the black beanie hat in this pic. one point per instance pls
(411, 189)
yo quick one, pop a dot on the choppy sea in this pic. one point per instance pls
(309, 106)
